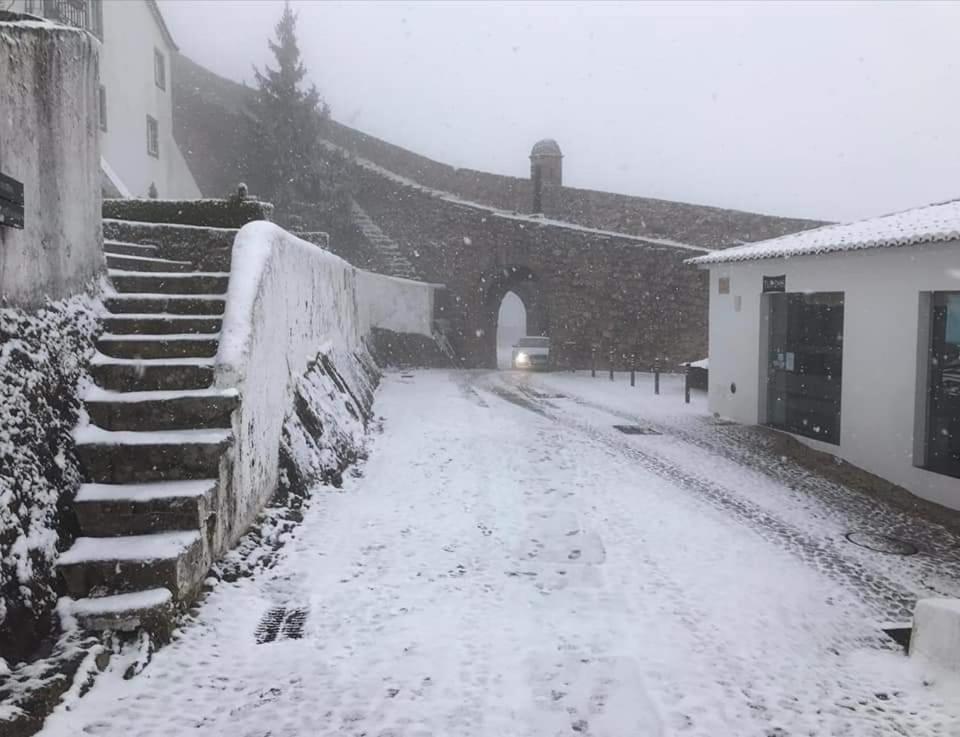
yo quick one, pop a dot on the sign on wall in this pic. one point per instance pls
(775, 283)
(11, 202)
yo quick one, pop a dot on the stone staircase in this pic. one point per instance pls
(151, 447)
(396, 263)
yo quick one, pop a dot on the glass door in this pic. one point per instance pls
(804, 364)
(943, 411)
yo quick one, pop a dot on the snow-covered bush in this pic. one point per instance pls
(42, 355)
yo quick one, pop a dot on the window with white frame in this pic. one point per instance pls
(102, 107)
(153, 137)
(159, 69)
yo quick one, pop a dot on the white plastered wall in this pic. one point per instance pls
(884, 351)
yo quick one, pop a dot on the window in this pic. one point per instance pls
(102, 107)
(159, 69)
(943, 390)
(153, 137)
(805, 364)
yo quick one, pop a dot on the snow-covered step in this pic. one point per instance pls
(158, 324)
(105, 510)
(151, 610)
(147, 263)
(160, 410)
(180, 345)
(122, 457)
(198, 282)
(157, 374)
(130, 249)
(178, 304)
(171, 560)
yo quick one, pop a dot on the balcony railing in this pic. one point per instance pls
(86, 14)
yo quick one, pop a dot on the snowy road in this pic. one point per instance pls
(511, 565)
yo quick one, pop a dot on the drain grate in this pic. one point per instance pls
(881, 543)
(636, 430)
(281, 623)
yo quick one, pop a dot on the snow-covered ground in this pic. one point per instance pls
(509, 564)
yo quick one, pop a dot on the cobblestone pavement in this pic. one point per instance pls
(507, 564)
(790, 505)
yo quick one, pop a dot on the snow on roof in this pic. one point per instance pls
(921, 225)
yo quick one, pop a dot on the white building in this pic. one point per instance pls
(139, 155)
(848, 337)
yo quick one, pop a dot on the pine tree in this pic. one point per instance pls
(291, 118)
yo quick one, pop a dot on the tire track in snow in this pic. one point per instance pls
(743, 690)
(889, 600)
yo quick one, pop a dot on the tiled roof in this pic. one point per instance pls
(921, 225)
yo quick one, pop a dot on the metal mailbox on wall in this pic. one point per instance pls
(11, 202)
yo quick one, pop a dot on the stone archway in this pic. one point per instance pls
(511, 327)
(522, 282)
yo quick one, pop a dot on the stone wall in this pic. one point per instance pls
(290, 302)
(216, 129)
(49, 141)
(43, 357)
(593, 293)
(699, 225)
(206, 105)
(587, 291)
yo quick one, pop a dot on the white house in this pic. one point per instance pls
(139, 155)
(848, 337)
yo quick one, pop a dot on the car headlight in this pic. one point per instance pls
(522, 358)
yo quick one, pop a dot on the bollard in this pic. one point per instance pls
(656, 380)
(593, 364)
(611, 366)
(686, 388)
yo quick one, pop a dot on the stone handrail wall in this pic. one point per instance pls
(289, 301)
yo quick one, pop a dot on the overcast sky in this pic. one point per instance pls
(817, 109)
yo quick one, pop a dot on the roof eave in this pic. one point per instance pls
(158, 16)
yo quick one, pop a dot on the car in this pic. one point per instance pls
(531, 352)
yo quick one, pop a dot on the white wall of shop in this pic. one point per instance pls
(884, 350)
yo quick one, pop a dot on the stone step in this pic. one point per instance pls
(172, 304)
(207, 247)
(124, 457)
(199, 282)
(130, 249)
(160, 410)
(170, 560)
(161, 323)
(106, 510)
(147, 264)
(151, 610)
(171, 374)
(184, 345)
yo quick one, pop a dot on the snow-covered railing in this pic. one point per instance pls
(287, 302)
